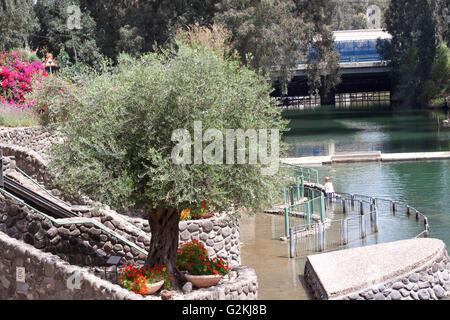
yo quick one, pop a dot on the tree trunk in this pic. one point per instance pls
(164, 228)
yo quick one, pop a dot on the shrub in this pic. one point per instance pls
(53, 99)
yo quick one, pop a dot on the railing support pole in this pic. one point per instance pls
(322, 207)
(291, 243)
(292, 196)
(286, 221)
(344, 232)
(363, 227)
(320, 236)
(375, 221)
(303, 186)
(344, 209)
(308, 214)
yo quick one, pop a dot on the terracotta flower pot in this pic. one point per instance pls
(152, 288)
(203, 281)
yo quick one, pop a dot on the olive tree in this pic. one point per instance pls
(120, 140)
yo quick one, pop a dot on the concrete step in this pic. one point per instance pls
(356, 156)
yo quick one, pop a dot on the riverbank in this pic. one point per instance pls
(356, 157)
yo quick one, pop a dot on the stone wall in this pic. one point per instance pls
(415, 269)
(49, 277)
(431, 282)
(88, 245)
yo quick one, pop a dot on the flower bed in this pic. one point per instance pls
(142, 280)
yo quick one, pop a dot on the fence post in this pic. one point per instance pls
(363, 227)
(344, 209)
(394, 207)
(285, 196)
(361, 204)
(299, 197)
(308, 214)
(322, 207)
(375, 220)
(291, 243)
(286, 220)
(292, 196)
(320, 234)
(303, 186)
(344, 232)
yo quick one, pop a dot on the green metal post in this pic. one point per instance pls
(303, 186)
(299, 197)
(308, 214)
(286, 220)
(312, 201)
(292, 196)
(322, 207)
(285, 196)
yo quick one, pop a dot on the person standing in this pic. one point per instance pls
(329, 189)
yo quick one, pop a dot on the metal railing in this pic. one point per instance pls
(362, 214)
(332, 234)
(76, 221)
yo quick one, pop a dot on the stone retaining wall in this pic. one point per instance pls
(88, 245)
(416, 269)
(49, 277)
(431, 282)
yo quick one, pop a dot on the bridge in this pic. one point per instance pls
(364, 72)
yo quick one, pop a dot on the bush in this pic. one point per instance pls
(53, 99)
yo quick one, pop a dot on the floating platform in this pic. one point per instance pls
(352, 157)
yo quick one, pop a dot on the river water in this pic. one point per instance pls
(424, 185)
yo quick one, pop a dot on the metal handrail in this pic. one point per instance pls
(79, 221)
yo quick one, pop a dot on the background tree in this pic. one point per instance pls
(80, 44)
(417, 29)
(119, 139)
(275, 35)
(18, 23)
(323, 63)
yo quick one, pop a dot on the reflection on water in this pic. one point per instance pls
(327, 131)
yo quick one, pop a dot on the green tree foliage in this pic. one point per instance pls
(18, 23)
(119, 139)
(55, 33)
(122, 24)
(275, 35)
(438, 86)
(323, 66)
(417, 29)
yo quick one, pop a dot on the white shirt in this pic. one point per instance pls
(329, 188)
